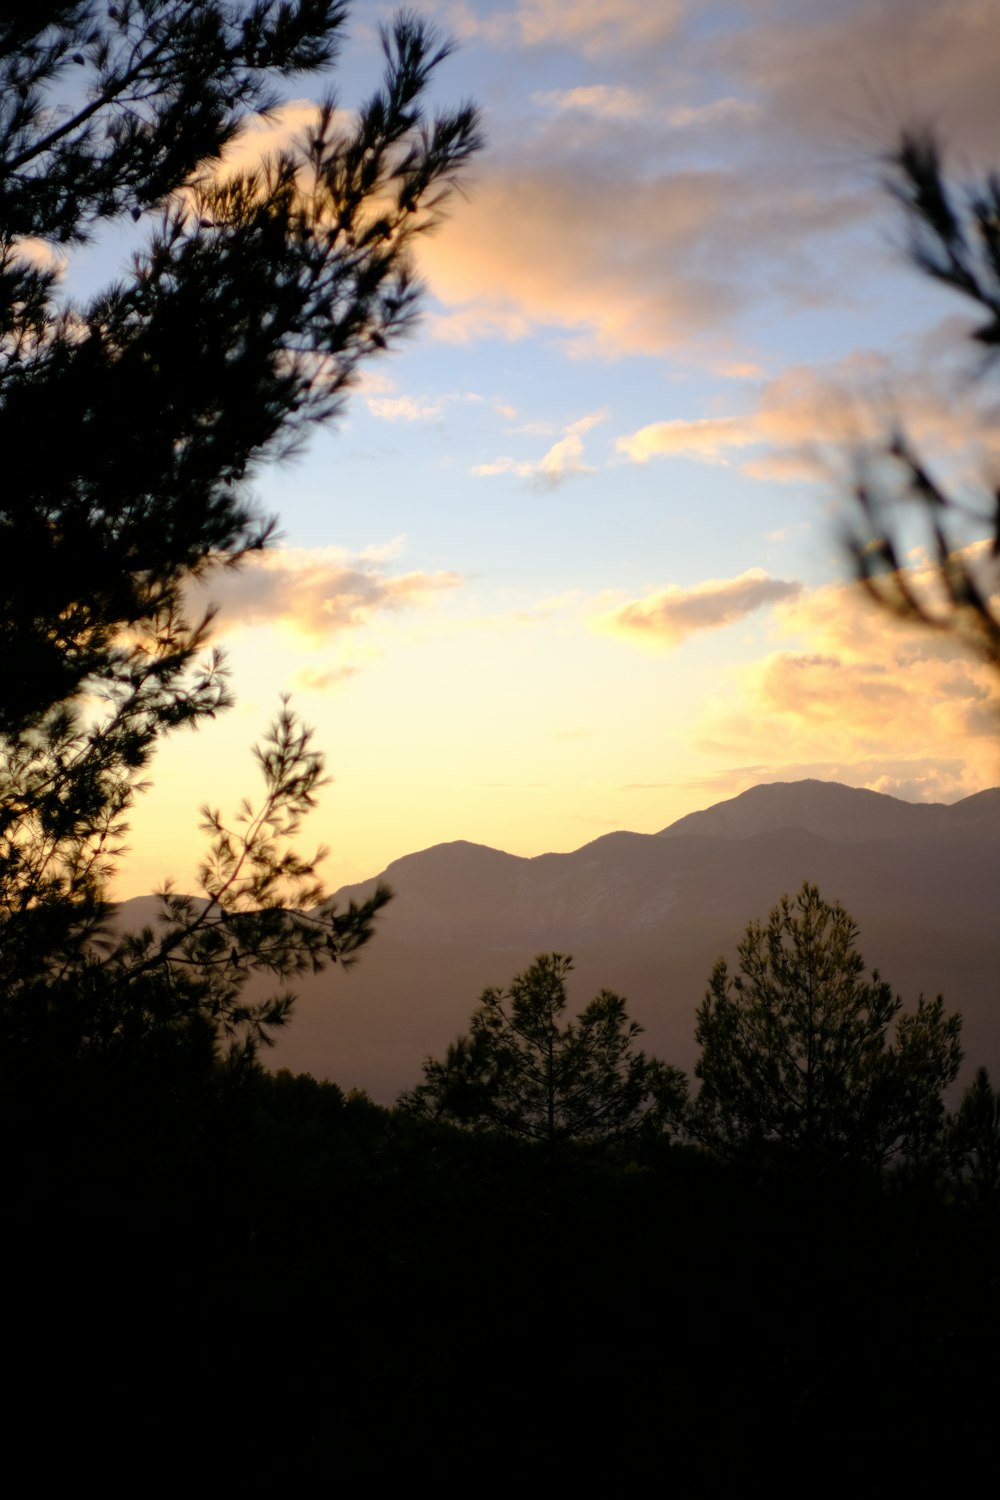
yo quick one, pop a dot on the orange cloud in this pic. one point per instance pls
(739, 370)
(672, 614)
(864, 697)
(42, 255)
(616, 263)
(265, 135)
(318, 593)
(807, 419)
(600, 222)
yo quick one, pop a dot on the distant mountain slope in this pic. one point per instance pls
(845, 814)
(648, 914)
(944, 869)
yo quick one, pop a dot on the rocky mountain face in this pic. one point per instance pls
(647, 915)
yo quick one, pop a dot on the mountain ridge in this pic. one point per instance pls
(711, 822)
(847, 814)
(647, 915)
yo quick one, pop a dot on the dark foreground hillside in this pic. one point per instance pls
(299, 1288)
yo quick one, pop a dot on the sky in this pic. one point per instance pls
(572, 559)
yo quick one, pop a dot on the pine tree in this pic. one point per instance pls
(522, 1072)
(974, 1142)
(133, 426)
(807, 1063)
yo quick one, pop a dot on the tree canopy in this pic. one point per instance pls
(242, 321)
(806, 1061)
(133, 424)
(974, 1141)
(522, 1072)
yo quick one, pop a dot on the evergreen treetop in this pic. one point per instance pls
(808, 1062)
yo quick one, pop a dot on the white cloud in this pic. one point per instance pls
(405, 408)
(707, 438)
(374, 382)
(564, 460)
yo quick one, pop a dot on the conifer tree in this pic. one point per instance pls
(806, 1062)
(133, 425)
(522, 1072)
(974, 1141)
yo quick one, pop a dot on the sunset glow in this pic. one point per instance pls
(572, 561)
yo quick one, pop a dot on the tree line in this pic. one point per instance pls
(807, 1065)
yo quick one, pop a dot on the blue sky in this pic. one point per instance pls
(570, 560)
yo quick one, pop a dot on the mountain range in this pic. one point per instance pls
(647, 915)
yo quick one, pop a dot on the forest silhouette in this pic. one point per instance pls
(547, 1259)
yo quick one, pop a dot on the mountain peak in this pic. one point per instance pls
(843, 814)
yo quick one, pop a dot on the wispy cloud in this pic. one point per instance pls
(805, 420)
(600, 99)
(726, 111)
(564, 460)
(615, 102)
(320, 680)
(391, 406)
(745, 369)
(670, 615)
(405, 408)
(546, 609)
(593, 27)
(932, 61)
(707, 438)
